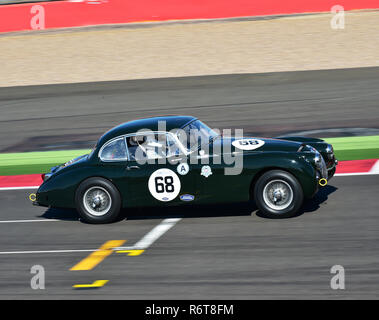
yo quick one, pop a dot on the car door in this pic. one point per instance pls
(157, 178)
(215, 183)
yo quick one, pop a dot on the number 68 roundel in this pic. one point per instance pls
(164, 185)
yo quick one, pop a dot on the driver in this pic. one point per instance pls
(154, 149)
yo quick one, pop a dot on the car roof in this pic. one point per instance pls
(172, 122)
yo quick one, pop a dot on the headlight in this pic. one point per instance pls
(330, 152)
(306, 148)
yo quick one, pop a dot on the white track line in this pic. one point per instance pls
(153, 235)
(17, 188)
(48, 251)
(356, 174)
(144, 243)
(375, 168)
(33, 220)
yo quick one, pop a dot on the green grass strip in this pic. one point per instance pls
(355, 148)
(346, 148)
(35, 162)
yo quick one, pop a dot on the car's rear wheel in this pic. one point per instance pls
(278, 194)
(98, 201)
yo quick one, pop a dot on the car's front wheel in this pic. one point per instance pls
(98, 201)
(278, 194)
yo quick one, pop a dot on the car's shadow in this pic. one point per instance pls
(321, 197)
(193, 211)
(190, 211)
(311, 205)
(60, 214)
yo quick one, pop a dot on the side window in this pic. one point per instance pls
(172, 147)
(192, 136)
(114, 151)
(151, 146)
(136, 148)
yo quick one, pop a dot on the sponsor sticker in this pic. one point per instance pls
(248, 144)
(206, 171)
(182, 168)
(187, 197)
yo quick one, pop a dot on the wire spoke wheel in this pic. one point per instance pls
(278, 194)
(97, 201)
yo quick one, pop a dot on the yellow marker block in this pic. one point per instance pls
(131, 252)
(97, 256)
(96, 284)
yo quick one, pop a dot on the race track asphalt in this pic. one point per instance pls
(72, 116)
(228, 252)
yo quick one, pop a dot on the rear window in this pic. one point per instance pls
(114, 150)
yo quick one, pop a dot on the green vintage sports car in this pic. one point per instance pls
(140, 164)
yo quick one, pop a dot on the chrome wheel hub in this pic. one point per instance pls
(278, 194)
(97, 201)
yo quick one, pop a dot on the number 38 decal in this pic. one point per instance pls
(164, 185)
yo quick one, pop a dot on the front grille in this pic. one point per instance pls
(324, 171)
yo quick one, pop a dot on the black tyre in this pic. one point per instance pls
(98, 201)
(278, 194)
